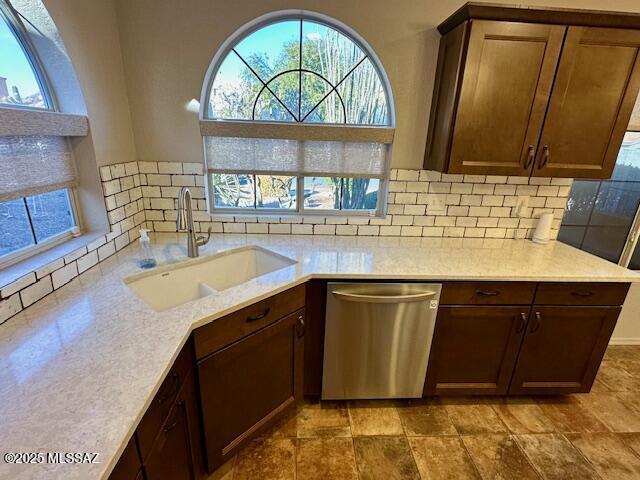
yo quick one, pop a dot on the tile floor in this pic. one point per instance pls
(595, 435)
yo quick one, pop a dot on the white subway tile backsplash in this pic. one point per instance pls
(347, 229)
(407, 231)
(35, 292)
(466, 221)
(9, 307)
(487, 222)
(479, 211)
(445, 221)
(409, 175)
(420, 203)
(492, 200)
(257, 228)
(18, 285)
(87, 261)
(432, 231)
(302, 229)
(390, 231)
(64, 275)
(369, 230)
(170, 167)
(277, 228)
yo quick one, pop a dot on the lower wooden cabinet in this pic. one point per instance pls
(249, 385)
(474, 349)
(129, 466)
(176, 451)
(562, 349)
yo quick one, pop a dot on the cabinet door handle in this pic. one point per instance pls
(545, 157)
(171, 426)
(487, 293)
(174, 388)
(301, 327)
(523, 323)
(531, 155)
(536, 325)
(582, 294)
(259, 316)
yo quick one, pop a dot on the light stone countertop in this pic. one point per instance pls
(79, 368)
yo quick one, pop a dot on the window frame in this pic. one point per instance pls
(31, 250)
(20, 33)
(221, 54)
(632, 238)
(22, 36)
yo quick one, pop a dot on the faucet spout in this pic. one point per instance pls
(185, 223)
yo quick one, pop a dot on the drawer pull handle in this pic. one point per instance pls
(536, 325)
(259, 316)
(582, 294)
(168, 428)
(523, 323)
(545, 157)
(301, 326)
(174, 389)
(530, 157)
(487, 293)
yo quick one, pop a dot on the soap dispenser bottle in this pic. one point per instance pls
(147, 260)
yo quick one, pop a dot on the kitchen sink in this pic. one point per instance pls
(172, 285)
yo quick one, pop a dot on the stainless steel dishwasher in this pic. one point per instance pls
(377, 339)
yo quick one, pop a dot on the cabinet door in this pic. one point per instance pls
(562, 349)
(474, 350)
(128, 465)
(593, 96)
(174, 454)
(506, 83)
(249, 385)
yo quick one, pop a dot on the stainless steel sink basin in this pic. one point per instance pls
(172, 285)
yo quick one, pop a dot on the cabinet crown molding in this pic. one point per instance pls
(548, 15)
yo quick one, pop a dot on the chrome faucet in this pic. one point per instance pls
(185, 222)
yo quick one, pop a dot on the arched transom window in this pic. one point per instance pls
(298, 71)
(297, 117)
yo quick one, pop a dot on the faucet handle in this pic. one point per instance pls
(201, 240)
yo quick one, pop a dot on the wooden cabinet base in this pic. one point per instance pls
(474, 350)
(249, 385)
(562, 349)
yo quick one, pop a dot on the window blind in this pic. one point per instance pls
(295, 157)
(34, 164)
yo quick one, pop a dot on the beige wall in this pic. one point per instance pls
(90, 34)
(168, 44)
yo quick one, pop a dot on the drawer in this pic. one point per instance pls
(231, 328)
(157, 412)
(581, 293)
(487, 293)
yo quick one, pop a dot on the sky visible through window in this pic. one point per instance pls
(18, 83)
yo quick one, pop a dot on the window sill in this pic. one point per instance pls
(42, 259)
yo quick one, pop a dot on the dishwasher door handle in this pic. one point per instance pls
(359, 297)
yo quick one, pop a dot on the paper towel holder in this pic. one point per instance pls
(542, 233)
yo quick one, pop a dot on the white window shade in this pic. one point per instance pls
(295, 157)
(34, 164)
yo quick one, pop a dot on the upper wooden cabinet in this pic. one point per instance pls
(593, 96)
(532, 97)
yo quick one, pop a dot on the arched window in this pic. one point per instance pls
(297, 117)
(37, 171)
(22, 82)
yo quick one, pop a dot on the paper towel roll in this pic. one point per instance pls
(543, 229)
